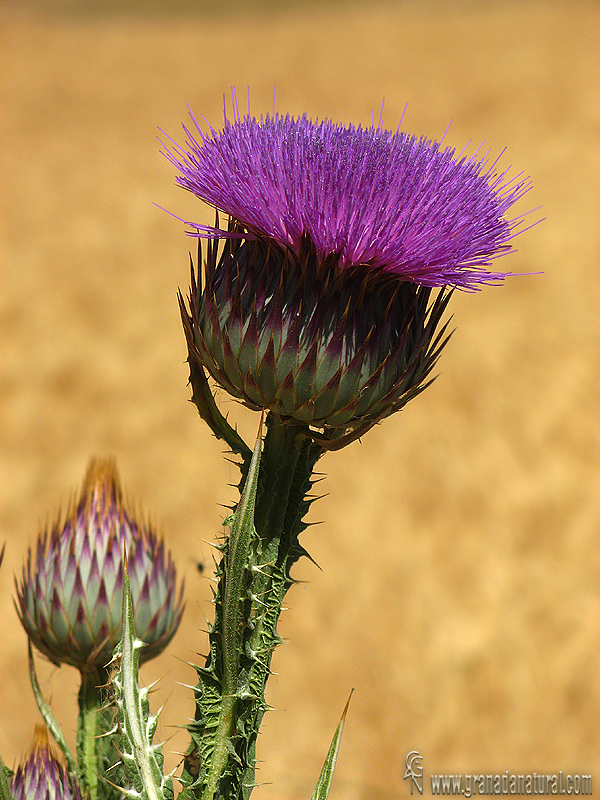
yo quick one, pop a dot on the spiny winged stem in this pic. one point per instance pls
(253, 579)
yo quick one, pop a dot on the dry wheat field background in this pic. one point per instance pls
(458, 591)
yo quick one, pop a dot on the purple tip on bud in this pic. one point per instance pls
(41, 776)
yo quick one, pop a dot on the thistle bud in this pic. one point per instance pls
(70, 597)
(42, 776)
(290, 334)
(319, 304)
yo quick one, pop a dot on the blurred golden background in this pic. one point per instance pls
(459, 548)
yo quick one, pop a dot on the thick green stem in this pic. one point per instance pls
(254, 576)
(285, 479)
(89, 729)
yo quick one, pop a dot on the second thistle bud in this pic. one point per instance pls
(41, 776)
(70, 597)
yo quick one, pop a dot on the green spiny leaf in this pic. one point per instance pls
(242, 531)
(236, 579)
(143, 761)
(321, 791)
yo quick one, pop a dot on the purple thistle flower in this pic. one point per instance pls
(70, 596)
(391, 204)
(42, 776)
(318, 303)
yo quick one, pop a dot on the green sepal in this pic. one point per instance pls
(142, 760)
(202, 396)
(323, 786)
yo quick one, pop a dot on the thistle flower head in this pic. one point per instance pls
(318, 305)
(70, 596)
(42, 776)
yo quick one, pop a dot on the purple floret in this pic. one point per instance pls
(395, 204)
